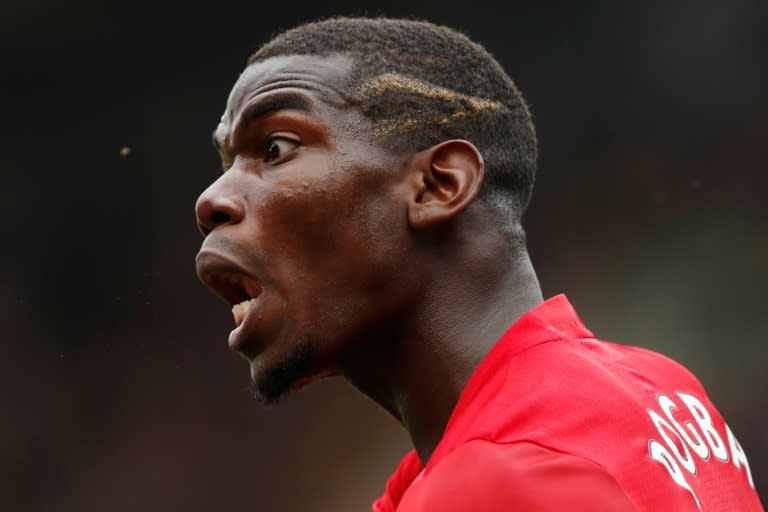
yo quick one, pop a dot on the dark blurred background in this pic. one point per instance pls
(118, 389)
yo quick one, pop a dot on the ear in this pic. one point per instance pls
(446, 179)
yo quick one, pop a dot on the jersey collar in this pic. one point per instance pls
(553, 320)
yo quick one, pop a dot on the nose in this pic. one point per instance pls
(217, 206)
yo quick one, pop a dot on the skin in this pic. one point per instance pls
(379, 266)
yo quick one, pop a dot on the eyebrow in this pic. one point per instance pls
(285, 101)
(275, 103)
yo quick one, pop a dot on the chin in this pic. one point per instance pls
(271, 381)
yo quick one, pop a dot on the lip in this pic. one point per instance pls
(240, 339)
(231, 281)
(226, 277)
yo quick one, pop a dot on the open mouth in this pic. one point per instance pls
(230, 283)
(236, 285)
(239, 291)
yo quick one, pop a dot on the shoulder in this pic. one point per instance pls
(488, 477)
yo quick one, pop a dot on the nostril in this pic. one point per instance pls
(216, 207)
(216, 218)
(219, 217)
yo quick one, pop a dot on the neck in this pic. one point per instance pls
(418, 371)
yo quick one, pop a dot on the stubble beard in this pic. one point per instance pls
(273, 383)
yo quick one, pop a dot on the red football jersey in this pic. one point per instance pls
(554, 419)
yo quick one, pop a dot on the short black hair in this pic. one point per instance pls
(422, 84)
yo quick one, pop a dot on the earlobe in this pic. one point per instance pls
(448, 179)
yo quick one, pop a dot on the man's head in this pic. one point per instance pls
(422, 84)
(353, 149)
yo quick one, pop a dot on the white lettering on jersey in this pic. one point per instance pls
(704, 420)
(675, 451)
(663, 427)
(738, 455)
(698, 445)
(662, 455)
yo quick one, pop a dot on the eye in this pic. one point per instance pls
(278, 147)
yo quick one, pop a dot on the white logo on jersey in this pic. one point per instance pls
(674, 453)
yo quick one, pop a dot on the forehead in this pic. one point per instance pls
(325, 78)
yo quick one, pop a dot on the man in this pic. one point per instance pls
(367, 224)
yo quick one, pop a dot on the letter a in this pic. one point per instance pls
(737, 454)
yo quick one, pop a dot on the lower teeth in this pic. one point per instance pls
(240, 310)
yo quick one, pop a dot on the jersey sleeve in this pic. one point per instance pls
(481, 476)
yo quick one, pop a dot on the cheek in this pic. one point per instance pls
(303, 220)
(333, 239)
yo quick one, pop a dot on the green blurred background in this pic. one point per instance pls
(118, 390)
